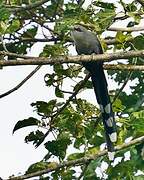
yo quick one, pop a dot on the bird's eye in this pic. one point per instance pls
(78, 29)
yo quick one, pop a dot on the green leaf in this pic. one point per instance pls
(54, 50)
(125, 168)
(138, 115)
(128, 7)
(90, 170)
(79, 142)
(44, 108)
(105, 17)
(96, 141)
(58, 147)
(118, 106)
(105, 5)
(72, 14)
(29, 33)
(3, 27)
(75, 156)
(4, 13)
(138, 42)
(37, 167)
(137, 122)
(49, 79)
(25, 123)
(139, 177)
(68, 174)
(58, 68)
(58, 92)
(89, 85)
(50, 10)
(121, 37)
(92, 151)
(15, 25)
(36, 137)
(135, 16)
(131, 7)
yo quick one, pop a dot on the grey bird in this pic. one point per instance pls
(86, 42)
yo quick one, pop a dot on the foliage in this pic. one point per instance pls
(75, 124)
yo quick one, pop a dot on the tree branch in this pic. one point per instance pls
(126, 29)
(107, 57)
(80, 161)
(124, 67)
(21, 83)
(27, 7)
(7, 53)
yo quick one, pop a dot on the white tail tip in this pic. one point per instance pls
(113, 137)
(111, 155)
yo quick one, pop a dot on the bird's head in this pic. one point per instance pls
(78, 32)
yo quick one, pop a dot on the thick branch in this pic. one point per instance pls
(123, 67)
(126, 29)
(72, 59)
(123, 16)
(80, 161)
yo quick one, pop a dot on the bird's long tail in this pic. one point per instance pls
(103, 99)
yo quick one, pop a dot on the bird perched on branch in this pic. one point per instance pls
(86, 42)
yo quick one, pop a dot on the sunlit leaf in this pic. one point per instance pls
(58, 92)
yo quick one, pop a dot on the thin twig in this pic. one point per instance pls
(125, 82)
(7, 53)
(80, 161)
(21, 83)
(122, 87)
